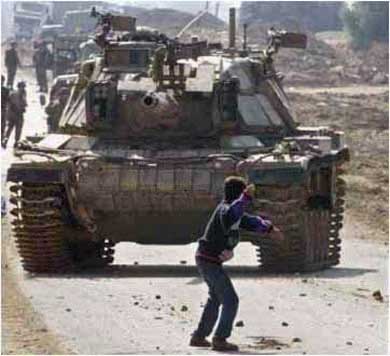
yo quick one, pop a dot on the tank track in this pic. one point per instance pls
(311, 234)
(46, 235)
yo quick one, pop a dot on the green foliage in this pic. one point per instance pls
(366, 21)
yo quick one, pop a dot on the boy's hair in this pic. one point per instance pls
(234, 186)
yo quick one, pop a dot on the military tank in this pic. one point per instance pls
(148, 135)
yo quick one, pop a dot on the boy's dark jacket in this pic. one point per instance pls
(222, 230)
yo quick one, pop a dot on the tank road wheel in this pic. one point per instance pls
(46, 235)
(311, 230)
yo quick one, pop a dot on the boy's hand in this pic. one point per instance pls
(250, 190)
(276, 234)
(226, 255)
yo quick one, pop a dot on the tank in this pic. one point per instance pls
(149, 133)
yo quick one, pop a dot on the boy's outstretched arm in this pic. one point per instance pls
(263, 226)
(237, 208)
(255, 224)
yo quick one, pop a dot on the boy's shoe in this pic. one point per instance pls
(198, 341)
(220, 344)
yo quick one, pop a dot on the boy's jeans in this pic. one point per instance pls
(221, 292)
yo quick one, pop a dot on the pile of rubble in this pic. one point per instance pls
(326, 65)
(323, 64)
(172, 21)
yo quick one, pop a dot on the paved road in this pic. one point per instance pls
(152, 306)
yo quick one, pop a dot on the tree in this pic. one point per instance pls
(366, 22)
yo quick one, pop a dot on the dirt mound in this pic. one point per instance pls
(172, 21)
(323, 64)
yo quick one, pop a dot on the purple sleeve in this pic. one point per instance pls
(236, 210)
(255, 223)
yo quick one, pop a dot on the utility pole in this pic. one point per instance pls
(217, 9)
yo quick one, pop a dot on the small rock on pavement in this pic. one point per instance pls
(136, 262)
(378, 296)
(158, 296)
(296, 339)
(184, 308)
(304, 280)
(136, 303)
(183, 262)
(68, 309)
(271, 307)
(302, 294)
(284, 323)
(349, 343)
(158, 318)
(239, 324)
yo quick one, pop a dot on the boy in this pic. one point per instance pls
(215, 247)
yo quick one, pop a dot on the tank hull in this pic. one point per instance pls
(169, 202)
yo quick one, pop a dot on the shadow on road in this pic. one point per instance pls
(180, 271)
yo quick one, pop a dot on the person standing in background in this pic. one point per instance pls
(15, 114)
(12, 63)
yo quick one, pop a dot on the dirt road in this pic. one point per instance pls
(153, 306)
(142, 308)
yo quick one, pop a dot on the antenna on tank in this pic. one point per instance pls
(245, 40)
(232, 28)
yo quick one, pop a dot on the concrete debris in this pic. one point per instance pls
(378, 296)
(239, 324)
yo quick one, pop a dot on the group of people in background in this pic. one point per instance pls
(14, 102)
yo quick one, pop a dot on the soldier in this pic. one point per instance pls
(16, 108)
(55, 108)
(12, 63)
(41, 59)
(4, 104)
